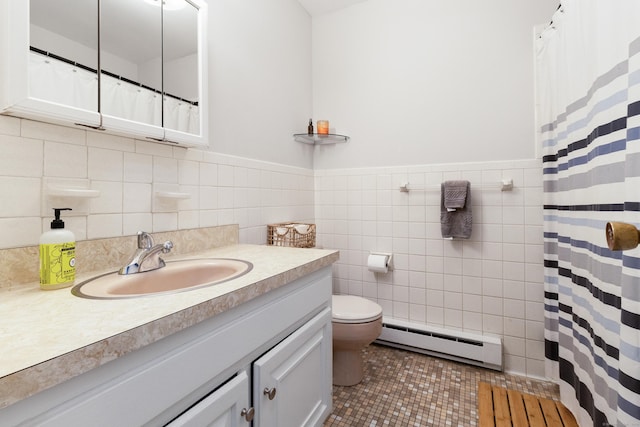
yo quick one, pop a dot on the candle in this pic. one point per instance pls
(323, 127)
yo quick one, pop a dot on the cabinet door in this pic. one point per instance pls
(100, 63)
(131, 67)
(50, 57)
(292, 382)
(222, 408)
(182, 95)
(151, 66)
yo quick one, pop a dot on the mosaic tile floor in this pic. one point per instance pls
(402, 388)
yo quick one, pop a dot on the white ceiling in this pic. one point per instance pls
(320, 7)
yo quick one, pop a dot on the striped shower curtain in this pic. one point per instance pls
(588, 96)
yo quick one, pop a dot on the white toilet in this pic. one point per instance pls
(356, 322)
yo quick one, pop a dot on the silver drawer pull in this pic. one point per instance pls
(248, 414)
(271, 393)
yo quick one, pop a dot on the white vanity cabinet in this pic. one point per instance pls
(289, 385)
(133, 68)
(266, 362)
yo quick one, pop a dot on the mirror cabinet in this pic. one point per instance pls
(130, 67)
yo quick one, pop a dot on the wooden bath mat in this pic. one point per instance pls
(498, 407)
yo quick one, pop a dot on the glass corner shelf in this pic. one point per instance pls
(316, 138)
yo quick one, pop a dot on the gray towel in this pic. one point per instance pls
(456, 223)
(455, 194)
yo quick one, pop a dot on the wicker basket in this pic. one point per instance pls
(294, 234)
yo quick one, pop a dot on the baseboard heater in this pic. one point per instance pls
(462, 347)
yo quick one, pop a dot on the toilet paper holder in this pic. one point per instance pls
(380, 262)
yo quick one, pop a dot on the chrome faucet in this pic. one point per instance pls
(147, 256)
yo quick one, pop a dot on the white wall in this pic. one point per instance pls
(260, 79)
(426, 81)
(428, 91)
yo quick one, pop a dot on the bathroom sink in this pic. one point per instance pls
(176, 276)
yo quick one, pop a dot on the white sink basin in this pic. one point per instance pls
(176, 276)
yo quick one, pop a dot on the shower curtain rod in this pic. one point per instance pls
(108, 73)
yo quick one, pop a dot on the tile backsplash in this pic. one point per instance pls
(129, 175)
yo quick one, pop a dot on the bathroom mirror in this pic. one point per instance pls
(63, 52)
(131, 61)
(180, 67)
(136, 65)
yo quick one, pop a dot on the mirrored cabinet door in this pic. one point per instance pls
(183, 58)
(131, 66)
(49, 51)
(63, 52)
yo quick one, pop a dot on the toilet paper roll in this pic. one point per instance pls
(378, 263)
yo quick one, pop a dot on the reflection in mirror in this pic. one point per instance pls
(131, 61)
(63, 37)
(180, 66)
(146, 54)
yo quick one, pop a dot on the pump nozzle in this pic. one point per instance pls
(57, 222)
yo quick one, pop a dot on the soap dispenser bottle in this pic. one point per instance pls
(57, 255)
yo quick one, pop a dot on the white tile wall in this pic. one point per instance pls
(491, 283)
(127, 172)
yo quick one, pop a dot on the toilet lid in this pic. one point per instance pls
(353, 309)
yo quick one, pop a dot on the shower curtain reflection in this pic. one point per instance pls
(131, 102)
(72, 85)
(62, 83)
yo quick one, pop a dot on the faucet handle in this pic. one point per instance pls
(145, 241)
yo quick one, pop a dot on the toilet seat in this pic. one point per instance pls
(353, 309)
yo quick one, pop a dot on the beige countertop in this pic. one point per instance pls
(48, 337)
